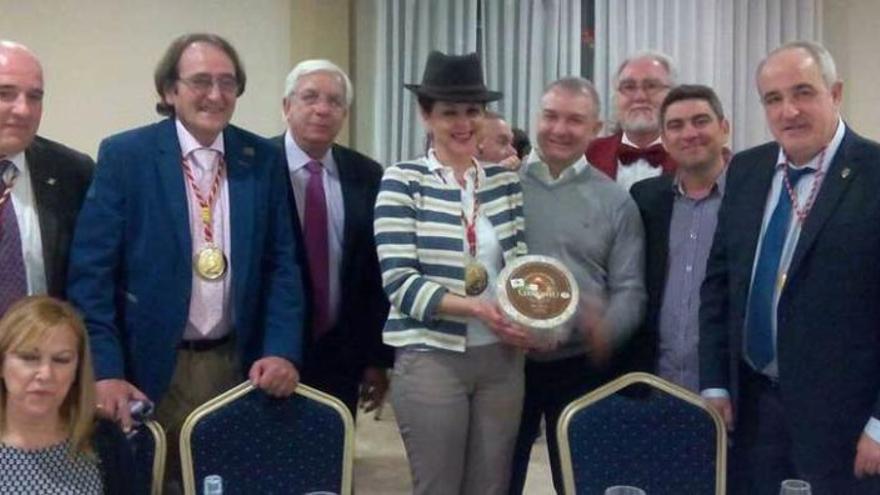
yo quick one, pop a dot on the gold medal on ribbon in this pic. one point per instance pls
(476, 278)
(210, 263)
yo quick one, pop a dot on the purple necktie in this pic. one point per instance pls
(315, 230)
(13, 283)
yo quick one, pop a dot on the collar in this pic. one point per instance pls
(188, 143)
(434, 165)
(625, 140)
(297, 158)
(536, 167)
(830, 150)
(18, 161)
(718, 188)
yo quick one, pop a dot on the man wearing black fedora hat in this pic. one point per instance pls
(445, 225)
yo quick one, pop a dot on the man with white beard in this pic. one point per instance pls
(635, 151)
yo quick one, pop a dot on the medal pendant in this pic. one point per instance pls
(210, 263)
(476, 278)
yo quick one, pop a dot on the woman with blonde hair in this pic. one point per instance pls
(49, 441)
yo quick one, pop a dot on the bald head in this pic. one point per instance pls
(21, 97)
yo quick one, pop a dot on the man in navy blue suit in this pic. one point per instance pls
(789, 319)
(183, 261)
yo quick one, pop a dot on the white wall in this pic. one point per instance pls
(851, 35)
(99, 55)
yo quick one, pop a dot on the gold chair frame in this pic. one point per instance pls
(161, 450)
(659, 384)
(235, 393)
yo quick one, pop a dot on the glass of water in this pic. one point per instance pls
(624, 490)
(795, 487)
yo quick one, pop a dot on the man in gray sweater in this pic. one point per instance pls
(578, 215)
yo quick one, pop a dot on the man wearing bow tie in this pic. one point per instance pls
(42, 185)
(635, 152)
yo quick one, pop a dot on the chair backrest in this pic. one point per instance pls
(149, 450)
(662, 438)
(260, 444)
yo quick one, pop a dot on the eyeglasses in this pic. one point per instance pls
(203, 83)
(312, 98)
(650, 86)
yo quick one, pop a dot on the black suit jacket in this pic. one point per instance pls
(60, 177)
(654, 198)
(828, 317)
(355, 341)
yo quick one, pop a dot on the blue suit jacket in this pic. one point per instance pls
(828, 319)
(131, 258)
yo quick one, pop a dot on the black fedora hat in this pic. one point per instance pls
(454, 78)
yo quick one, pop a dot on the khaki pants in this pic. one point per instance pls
(198, 377)
(458, 415)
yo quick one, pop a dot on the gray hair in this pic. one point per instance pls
(307, 67)
(574, 84)
(817, 52)
(661, 58)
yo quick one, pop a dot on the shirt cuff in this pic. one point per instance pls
(872, 429)
(715, 393)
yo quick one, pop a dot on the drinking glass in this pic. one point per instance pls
(624, 490)
(795, 487)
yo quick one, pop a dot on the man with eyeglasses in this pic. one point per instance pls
(183, 261)
(635, 151)
(42, 185)
(334, 189)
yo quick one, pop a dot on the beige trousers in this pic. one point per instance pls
(198, 377)
(458, 414)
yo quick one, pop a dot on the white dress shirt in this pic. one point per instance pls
(299, 178)
(25, 204)
(209, 309)
(489, 252)
(627, 175)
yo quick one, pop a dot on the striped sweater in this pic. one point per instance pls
(420, 241)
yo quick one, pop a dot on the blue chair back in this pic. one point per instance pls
(260, 444)
(662, 439)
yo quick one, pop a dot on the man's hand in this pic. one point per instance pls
(867, 457)
(595, 331)
(724, 408)
(374, 386)
(276, 375)
(113, 397)
(512, 162)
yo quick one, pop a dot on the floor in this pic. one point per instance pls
(380, 466)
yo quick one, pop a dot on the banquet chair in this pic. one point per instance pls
(662, 439)
(260, 444)
(148, 447)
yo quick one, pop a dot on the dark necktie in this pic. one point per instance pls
(760, 344)
(317, 246)
(654, 154)
(13, 282)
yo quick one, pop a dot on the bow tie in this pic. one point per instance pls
(654, 154)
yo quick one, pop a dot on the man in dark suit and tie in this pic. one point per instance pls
(42, 184)
(183, 261)
(789, 320)
(334, 190)
(635, 151)
(679, 213)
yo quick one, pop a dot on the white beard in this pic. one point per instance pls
(640, 124)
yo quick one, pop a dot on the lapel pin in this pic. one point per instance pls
(845, 173)
(51, 181)
(247, 151)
